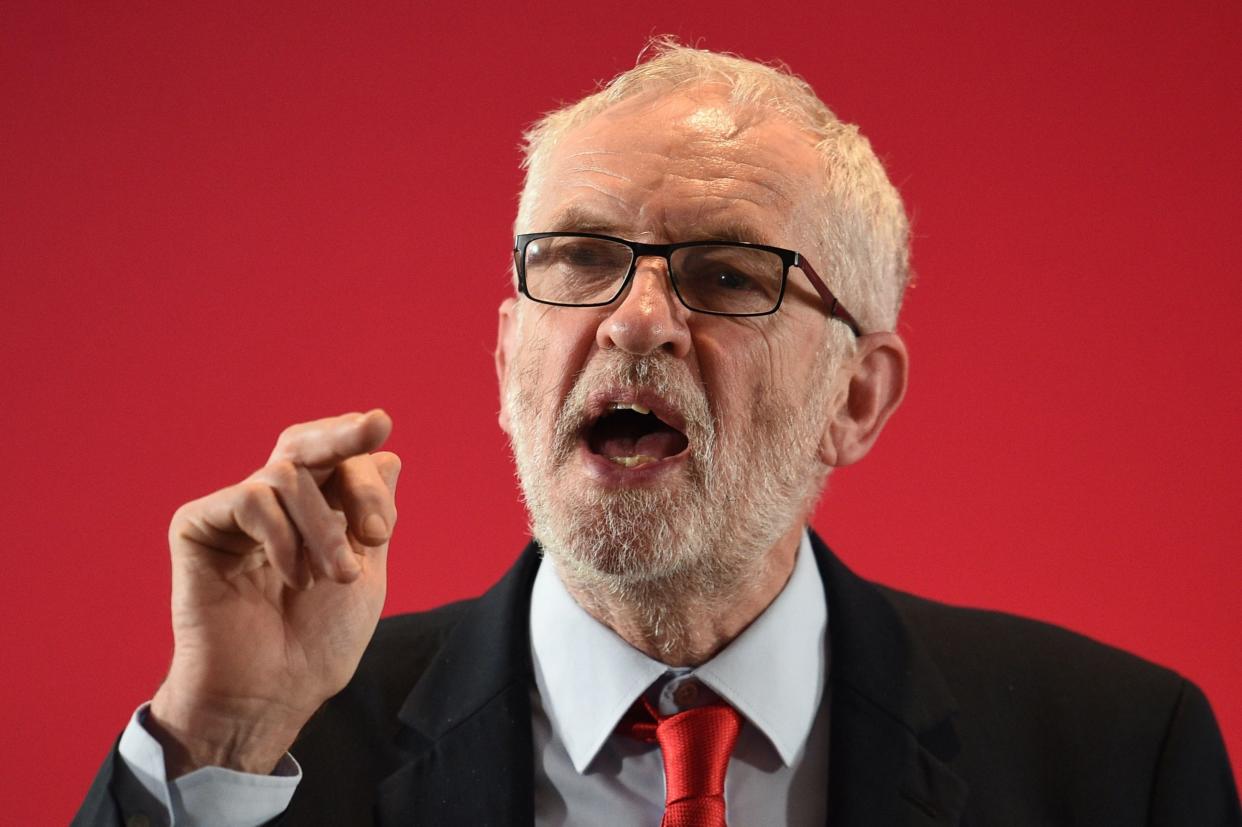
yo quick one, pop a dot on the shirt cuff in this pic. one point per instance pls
(209, 795)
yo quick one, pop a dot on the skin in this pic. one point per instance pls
(278, 581)
(683, 167)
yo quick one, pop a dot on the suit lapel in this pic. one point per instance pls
(469, 753)
(891, 713)
(467, 731)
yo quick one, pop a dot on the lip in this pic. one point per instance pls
(612, 475)
(599, 402)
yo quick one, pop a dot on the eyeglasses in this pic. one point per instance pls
(724, 278)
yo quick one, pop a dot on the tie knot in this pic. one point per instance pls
(696, 746)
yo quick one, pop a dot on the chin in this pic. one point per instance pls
(639, 544)
(627, 535)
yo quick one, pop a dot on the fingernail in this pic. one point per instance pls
(374, 527)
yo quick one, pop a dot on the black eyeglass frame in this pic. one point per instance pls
(638, 249)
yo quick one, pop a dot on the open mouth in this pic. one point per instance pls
(630, 435)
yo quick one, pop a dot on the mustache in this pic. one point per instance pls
(658, 373)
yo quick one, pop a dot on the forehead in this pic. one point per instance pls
(679, 166)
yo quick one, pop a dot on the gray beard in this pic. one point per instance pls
(665, 555)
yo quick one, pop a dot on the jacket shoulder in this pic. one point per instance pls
(1044, 713)
(1008, 649)
(1043, 708)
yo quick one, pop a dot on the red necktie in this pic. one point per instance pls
(696, 745)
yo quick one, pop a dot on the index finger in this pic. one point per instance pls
(323, 444)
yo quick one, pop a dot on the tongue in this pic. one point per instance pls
(658, 444)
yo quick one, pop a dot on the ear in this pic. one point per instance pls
(506, 342)
(875, 382)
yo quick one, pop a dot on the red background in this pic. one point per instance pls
(217, 222)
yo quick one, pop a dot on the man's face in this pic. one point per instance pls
(731, 464)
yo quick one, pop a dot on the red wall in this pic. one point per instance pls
(219, 222)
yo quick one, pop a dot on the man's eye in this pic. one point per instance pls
(582, 257)
(587, 256)
(731, 280)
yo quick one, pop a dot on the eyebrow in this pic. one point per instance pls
(578, 219)
(734, 230)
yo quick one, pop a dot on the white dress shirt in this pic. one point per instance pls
(586, 678)
(208, 796)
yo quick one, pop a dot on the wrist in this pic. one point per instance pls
(247, 736)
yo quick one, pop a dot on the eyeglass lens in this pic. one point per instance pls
(715, 278)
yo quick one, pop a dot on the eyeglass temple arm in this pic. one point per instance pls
(836, 310)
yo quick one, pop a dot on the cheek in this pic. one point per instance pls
(732, 373)
(794, 352)
(554, 348)
(753, 372)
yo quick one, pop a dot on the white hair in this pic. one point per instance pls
(865, 233)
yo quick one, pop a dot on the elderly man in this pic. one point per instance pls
(708, 268)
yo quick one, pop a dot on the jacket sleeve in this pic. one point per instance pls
(1194, 784)
(210, 795)
(101, 809)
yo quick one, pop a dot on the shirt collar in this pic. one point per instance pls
(773, 673)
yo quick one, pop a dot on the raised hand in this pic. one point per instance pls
(278, 583)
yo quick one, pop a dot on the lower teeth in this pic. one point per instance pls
(630, 462)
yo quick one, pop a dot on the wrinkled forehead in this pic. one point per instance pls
(678, 165)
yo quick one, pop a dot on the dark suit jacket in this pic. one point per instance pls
(939, 716)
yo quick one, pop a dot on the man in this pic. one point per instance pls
(709, 267)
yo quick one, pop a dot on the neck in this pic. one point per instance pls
(685, 619)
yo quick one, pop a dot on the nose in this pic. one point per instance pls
(648, 317)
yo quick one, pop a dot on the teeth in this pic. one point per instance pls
(631, 462)
(635, 407)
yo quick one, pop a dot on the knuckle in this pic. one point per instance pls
(386, 462)
(179, 517)
(286, 441)
(253, 493)
(282, 474)
(190, 513)
(253, 497)
(180, 520)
